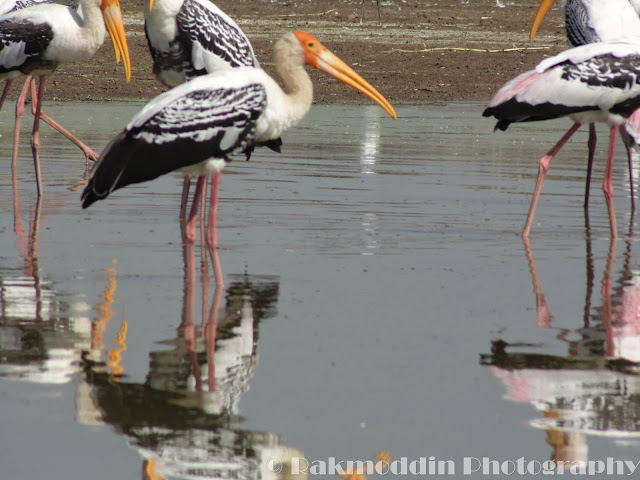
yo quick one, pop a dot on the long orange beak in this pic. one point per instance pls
(318, 56)
(150, 5)
(544, 7)
(115, 26)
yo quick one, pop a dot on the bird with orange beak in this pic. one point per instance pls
(196, 127)
(35, 40)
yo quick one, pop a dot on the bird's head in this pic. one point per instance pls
(115, 26)
(318, 56)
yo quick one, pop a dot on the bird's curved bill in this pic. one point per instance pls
(115, 26)
(544, 7)
(318, 56)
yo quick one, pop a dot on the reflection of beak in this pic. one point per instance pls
(115, 26)
(150, 5)
(318, 56)
(544, 7)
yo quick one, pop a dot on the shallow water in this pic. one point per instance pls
(378, 296)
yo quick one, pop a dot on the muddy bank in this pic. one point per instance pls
(421, 52)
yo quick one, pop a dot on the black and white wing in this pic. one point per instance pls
(180, 128)
(212, 38)
(578, 25)
(592, 78)
(22, 44)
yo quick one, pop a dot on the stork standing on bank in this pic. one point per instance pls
(599, 82)
(196, 127)
(35, 40)
(593, 21)
(190, 38)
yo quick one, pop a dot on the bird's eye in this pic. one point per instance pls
(310, 44)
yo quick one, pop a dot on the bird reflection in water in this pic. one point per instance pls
(184, 418)
(44, 332)
(595, 388)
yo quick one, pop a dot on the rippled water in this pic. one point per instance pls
(377, 297)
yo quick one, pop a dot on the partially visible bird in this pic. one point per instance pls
(196, 127)
(35, 40)
(190, 38)
(593, 21)
(599, 82)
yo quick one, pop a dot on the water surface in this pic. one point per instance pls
(377, 297)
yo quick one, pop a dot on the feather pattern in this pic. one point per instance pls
(210, 123)
(22, 46)
(597, 82)
(194, 37)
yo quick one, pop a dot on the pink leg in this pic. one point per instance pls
(185, 196)
(5, 91)
(89, 154)
(630, 162)
(607, 184)
(591, 144)
(544, 164)
(35, 136)
(19, 112)
(212, 234)
(193, 214)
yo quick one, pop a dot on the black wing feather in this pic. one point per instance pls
(201, 125)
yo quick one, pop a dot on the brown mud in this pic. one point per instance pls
(447, 50)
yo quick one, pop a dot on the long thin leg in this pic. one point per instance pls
(5, 91)
(19, 112)
(212, 234)
(630, 162)
(193, 214)
(591, 145)
(607, 184)
(89, 154)
(185, 196)
(544, 164)
(35, 136)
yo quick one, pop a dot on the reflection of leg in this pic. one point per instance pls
(35, 135)
(19, 112)
(542, 310)
(606, 297)
(210, 336)
(187, 327)
(591, 145)
(607, 184)
(543, 166)
(89, 154)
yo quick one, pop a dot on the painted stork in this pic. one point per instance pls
(196, 127)
(593, 21)
(35, 40)
(190, 38)
(599, 82)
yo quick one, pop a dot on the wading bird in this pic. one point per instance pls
(190, 38)
(196, 127)
(35, 40)
(593, 21)
(599, 82)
